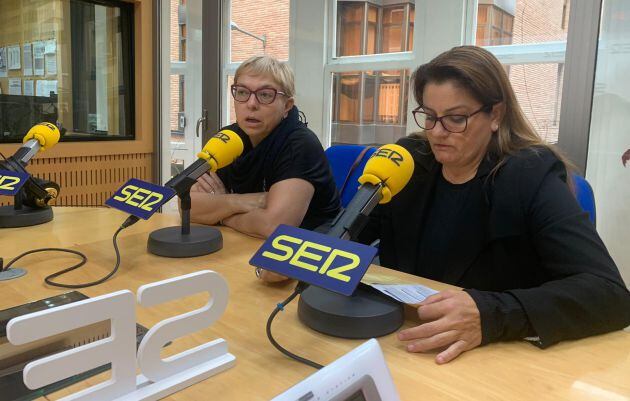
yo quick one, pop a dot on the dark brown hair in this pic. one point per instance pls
(482, 75)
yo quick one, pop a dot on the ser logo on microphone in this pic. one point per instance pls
(322, 260)
(222, 137)
(11, 182)
(390, 154)
(140, 198)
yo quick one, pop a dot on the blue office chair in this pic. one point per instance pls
(584, 196)
(342, 158)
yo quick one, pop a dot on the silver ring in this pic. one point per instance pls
(212, 192)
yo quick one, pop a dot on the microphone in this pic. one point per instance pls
(42, 136)
(37, 193)
(188, 241)
(385, 174)
(220, 151)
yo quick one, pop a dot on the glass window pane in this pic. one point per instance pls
(389, 97)
(259, 27)
(79, 70)
(350, 28)
(230, 81)
(369, 95)
(538, 89)
(386, 29)
(527, 21)
(376, 97)
(177, 107)
(392, 29)
(371, 30)
(348, 85)
(177, 26)
(608, 163)
(412, 18)
(482, 14)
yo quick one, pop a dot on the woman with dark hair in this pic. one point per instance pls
(490, 208)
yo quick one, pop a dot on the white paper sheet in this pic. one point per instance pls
(51, 46)
(15, 86)
(52, 86)
(41, 87)
(29, 87)
(51, 64)
(406, 293)
(51, 57)
(27, 49)
(38, 58)
(14, 57)
(3, 62)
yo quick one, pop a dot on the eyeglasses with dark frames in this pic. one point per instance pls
(454, 123)
(242, 94)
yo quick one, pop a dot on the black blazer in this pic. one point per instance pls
(529, 241)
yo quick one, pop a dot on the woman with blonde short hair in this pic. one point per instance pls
(283, 176)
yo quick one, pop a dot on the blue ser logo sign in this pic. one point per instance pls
(140, 198)
(331, 263)
(11, 182)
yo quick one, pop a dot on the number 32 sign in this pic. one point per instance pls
(160, 377)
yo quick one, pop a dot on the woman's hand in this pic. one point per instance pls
(248, 202)
(451, 320)
(209, 183)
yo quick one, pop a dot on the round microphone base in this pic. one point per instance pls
(365, 314)
(24, 217)
(170, 242)
(11, 273)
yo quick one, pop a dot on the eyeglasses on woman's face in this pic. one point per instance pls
(454, 123)
(242, 94)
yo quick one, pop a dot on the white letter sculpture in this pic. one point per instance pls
(161, 377)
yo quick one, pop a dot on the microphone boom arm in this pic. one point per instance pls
(352, 219)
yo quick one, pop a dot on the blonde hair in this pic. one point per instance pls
(279, 72)
(482, 75)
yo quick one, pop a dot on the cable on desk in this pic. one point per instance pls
(280, 307)
(131, 220)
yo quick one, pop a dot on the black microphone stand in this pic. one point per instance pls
(366, 313)
(20, 215)
(185, 241)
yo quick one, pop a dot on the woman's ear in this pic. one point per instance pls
(288, 105)
(496, 116)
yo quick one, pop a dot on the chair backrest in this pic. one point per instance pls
(341, 159)
(584, 196)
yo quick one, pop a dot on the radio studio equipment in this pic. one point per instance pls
(329, 268)
(32, 196)
(186, 240)
(366, 313)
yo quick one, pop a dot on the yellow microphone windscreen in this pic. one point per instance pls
(222, 149)
(46, 134)
(391, 165)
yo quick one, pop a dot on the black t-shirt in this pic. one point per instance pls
(290, 151)
(452, 207)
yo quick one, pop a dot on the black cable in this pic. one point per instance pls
(49, 279)
(280, 307)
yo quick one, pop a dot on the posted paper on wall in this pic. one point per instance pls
(44, 87)
(14, 57)
(40, 88)
(27, 49)
(15, 86)
(29, 87)
(38, 58)
(51, 57)
(3, 62)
